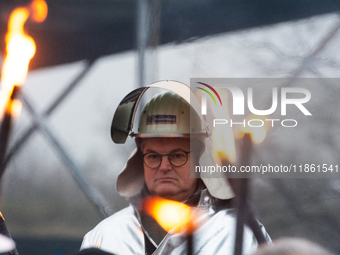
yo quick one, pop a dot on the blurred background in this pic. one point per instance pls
(90, 54)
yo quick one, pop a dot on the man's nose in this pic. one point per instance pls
(165, 164)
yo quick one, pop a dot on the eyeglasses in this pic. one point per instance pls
(176, 158)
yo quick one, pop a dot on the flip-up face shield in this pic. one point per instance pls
(123, 120)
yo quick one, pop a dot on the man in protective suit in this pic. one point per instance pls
(171, 138)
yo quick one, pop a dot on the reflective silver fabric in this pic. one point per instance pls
(122, 233)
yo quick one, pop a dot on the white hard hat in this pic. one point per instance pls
(123, 120)
(168, 114)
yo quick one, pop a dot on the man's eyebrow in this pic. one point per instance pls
(149, 150)
(177, 149)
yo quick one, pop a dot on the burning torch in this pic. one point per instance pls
(20, 48)
(224, 151)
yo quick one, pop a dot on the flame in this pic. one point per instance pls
(222, 135)
(20, 48)
(257, 134)
(170, 215)
(38, 10)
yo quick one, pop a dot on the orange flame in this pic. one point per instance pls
(258, 132)
(38, 10)
(20, 48)
(222, 135)
(170, 215)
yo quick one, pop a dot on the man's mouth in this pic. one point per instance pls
(166, 179)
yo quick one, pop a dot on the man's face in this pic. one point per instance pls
(166, 180)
